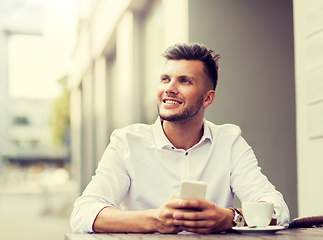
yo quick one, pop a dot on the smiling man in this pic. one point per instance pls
(136, 185)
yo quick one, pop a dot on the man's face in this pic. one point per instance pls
(182, 90)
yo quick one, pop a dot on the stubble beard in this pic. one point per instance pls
(184, 115)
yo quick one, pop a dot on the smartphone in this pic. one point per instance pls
(192, 190)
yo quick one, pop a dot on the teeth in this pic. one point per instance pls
(171, 102)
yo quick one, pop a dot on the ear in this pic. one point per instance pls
(209, 98)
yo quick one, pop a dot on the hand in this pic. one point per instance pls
(207, 217)
(164, 216)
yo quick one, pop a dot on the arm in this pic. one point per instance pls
(173, 216)
(106, 189)
(248, 182)
(111, 219)
(96, 209)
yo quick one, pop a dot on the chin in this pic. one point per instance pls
(172, 118)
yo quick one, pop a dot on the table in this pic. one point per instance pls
(296, 233)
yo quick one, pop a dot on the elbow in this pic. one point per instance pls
(77, 223)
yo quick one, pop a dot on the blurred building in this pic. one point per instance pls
(16, 17)
(30, 133)
(262, 83)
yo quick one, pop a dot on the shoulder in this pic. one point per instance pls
(224, 129)
(224, 132)
(134, 131)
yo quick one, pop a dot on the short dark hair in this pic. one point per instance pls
(196, 51)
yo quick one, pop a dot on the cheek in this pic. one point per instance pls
(191, 96)
(160, 91)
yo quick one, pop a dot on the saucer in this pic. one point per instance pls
(258, 231)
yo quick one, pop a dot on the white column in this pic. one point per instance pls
(3, 93)
(88, 154)
(100, 107)
(76, 134)
(123, 91)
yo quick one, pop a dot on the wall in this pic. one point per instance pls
(256, 87)
(308, 19)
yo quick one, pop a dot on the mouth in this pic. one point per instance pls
(171, 101)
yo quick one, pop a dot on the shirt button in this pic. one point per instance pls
(173, 148)
(186, 153)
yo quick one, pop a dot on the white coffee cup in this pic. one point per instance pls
(260, 214)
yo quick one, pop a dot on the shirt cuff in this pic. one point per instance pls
(83, 223)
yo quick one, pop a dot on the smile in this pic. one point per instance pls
(171, 102)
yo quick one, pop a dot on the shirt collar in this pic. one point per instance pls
(160, 137)
(162, 141)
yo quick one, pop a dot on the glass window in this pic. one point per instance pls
(20, 121)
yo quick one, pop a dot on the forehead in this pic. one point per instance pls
(181, 67)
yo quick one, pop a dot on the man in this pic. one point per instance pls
(136, 185)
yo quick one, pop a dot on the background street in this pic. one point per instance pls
(32, 205)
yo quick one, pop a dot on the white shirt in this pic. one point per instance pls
(140, 169)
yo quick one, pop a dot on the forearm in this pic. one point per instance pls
(111, 219)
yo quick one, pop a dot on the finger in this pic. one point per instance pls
(173, 202)
(189, 215)
(174, 197)
(195, 204)
(183, 204)
(191, 224)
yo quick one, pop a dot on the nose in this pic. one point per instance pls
(171, 87)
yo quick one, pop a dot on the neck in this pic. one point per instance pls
(185, 134)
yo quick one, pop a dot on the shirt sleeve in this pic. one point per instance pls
(249, 184)
(107, 188)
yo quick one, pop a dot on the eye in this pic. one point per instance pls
(164, 79)
(184, 80)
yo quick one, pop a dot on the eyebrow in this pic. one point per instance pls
(181, 76)
(186, 76)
